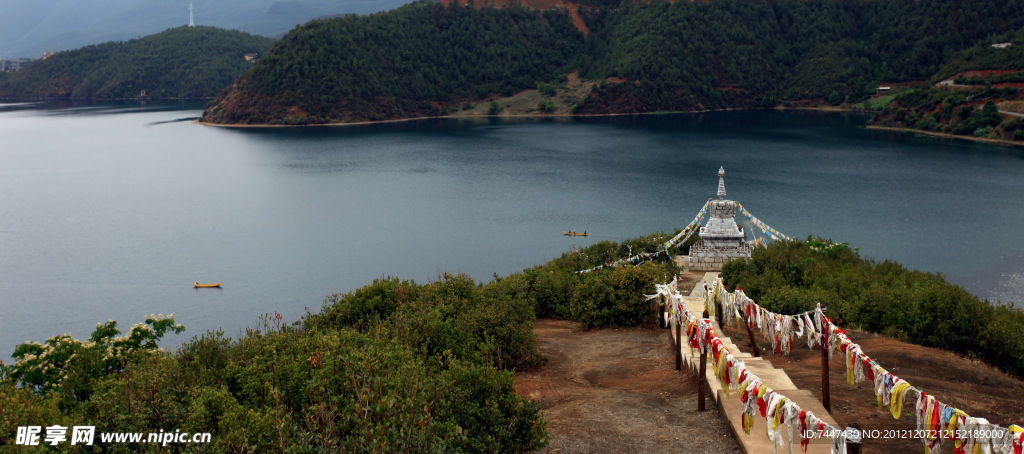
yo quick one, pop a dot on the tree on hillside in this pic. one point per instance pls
(183, 62)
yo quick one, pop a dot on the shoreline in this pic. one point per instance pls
(98, 100)
(1003, 142)
(561, 115)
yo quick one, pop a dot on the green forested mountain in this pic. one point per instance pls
(413, 61)
(427, 58)
(736, 53)
(967, 94)
(183, 62)
(986, 56)
(32, 27)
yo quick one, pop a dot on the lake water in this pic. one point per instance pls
(114, 211)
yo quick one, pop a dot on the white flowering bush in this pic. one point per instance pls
(52, 365)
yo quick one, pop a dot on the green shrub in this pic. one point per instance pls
(345, 391)
(478, 397)
(547, 89)
(238, 428)
(365, 305)
(546, 290)
(834, 98)
(616, 298)
(147, 396)
(19, 406)
(206, 358)
(70, 367)
(927, 123)
(505, 330)
(453, 316)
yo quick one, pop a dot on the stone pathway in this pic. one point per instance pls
(1015, 114)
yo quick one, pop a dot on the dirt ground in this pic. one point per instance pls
(616, 390)
(1012, 106)
(976, 388)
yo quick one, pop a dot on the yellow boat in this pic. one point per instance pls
(574, 233)
(198, 285)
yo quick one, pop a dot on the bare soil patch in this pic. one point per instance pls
(977, 388)
(984, 73)
(577, 18)
(1012, 106)
(616, 390)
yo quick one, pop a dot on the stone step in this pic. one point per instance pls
(757, 441)
(776, 379)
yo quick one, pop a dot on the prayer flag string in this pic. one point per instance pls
(755, 396)
(767, 229)
(935, 419)
(685, 234)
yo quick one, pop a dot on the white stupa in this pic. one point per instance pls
(721, 240)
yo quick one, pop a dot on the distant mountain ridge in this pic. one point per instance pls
(31, 27)
(182, 62)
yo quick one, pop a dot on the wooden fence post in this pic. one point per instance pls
(750, 334)
(662, 311)
(718, 312)
(824, 373)
(853, 444)
(702, 376)
(679, 345)
(753, 342)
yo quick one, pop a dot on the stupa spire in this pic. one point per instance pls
(721, 182)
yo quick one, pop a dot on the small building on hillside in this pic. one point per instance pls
(1002, 45)
(721, 239)
(14, 65)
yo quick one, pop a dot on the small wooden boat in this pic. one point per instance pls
(198, 285)
(584, 233)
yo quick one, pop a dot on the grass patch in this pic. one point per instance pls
(876, 103)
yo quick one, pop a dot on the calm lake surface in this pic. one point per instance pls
(111, 212)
